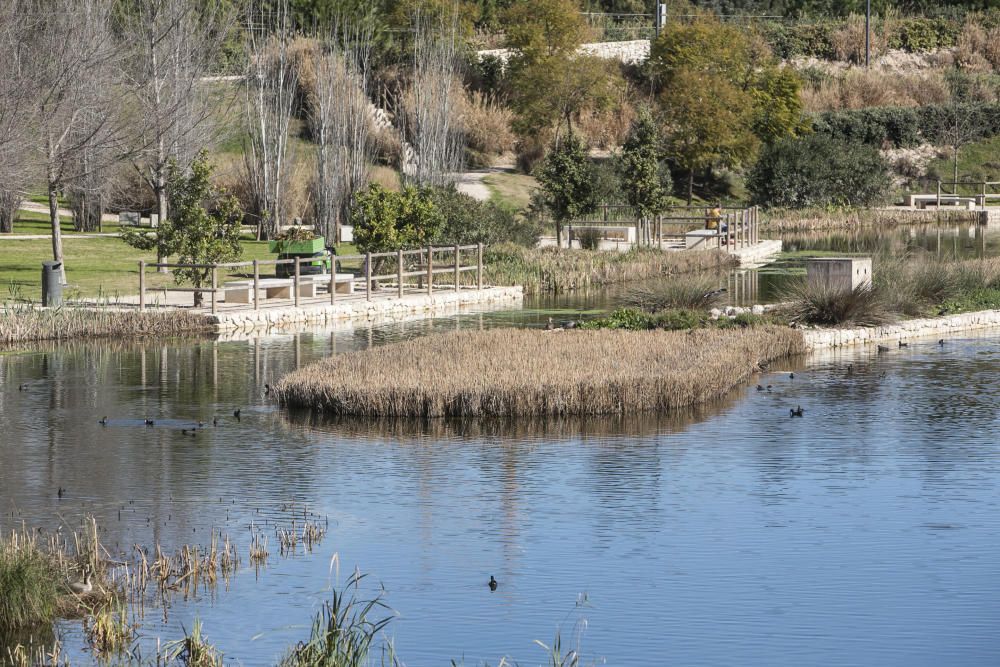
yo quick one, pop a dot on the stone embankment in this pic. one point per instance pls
(930, 327)
(359, 310)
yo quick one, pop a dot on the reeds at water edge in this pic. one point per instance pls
(517, 372)
(26, 322)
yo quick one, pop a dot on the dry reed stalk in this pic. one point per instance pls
(513, 372)
(559, 270)
(807, 220)
(21, 323)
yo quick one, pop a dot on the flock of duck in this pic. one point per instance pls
(798, 411)
(191, 430)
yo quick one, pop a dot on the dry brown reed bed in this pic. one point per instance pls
(22, 323)
(516, 372)
(561, 270)
(820, 219)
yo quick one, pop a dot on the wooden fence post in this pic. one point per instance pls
(295, 281)
(215, 282)
(333, 278)
(458, 265)
(142, 285)
(430, 270)
(256, 284)
(479, 267)
(368, 276)
(399, 274)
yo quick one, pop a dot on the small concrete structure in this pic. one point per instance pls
(839, 273)
(701, 239)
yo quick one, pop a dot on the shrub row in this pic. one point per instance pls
(901, 127)
(819, 40)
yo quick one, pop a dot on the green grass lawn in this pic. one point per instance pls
(30, 223)
(94, 266)
(511, 188)
(976, 162)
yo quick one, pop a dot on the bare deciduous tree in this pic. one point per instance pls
(271, 84)
(428, 123)
(171, 45)
(341, 120)
(17, 118)
(74, 66)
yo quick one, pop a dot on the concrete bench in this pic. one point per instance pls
(923, 201)
(701, 239)
(241, 291)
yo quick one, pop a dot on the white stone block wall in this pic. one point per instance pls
(931, 327)
(359, 310)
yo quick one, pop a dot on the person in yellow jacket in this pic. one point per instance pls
(713, 216)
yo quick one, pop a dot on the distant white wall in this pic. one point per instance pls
(630, 53)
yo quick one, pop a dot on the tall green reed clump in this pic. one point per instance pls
(345, 632)
(910, 285)
(26, 322)
(518, 372)
(864, 306)
(29, 592)
(561, 270)
(695, 291)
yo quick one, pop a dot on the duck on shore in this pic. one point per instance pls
(83, 587)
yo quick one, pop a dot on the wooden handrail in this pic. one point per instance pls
(454, 267)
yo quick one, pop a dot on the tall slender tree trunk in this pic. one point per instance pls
(160, 189)
(954, 174)
(57, 249)
(690, 185)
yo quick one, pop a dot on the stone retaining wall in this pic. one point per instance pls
(630, 52)
(817, 339)
(759, 253)
(378, 310)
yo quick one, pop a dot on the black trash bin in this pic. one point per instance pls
(51, 284)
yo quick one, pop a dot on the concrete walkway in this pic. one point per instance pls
(471, 182)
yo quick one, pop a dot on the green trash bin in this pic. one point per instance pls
(51, 284)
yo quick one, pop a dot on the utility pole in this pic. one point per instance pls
(868, 33)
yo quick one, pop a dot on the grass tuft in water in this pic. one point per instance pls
(193, 650)
(345, 632)
(29, 592)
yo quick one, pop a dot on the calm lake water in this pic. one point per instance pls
(865, 533)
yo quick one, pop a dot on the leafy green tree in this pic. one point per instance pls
(549, 82)
(707, 123)
(818, 170)
(721, 94)
(385, 220)
(203, 227)
(567, 182)
(645, 179)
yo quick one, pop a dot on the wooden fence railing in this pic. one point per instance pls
(980, 191)
(422, 263)
(736, 228)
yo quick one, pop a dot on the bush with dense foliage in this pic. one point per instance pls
(902, 127)
(467, 220)
(385, 221)
(818, 171)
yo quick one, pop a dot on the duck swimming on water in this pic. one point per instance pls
(796, 412)
(103, 421)
(150, 422)
(493, 583)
